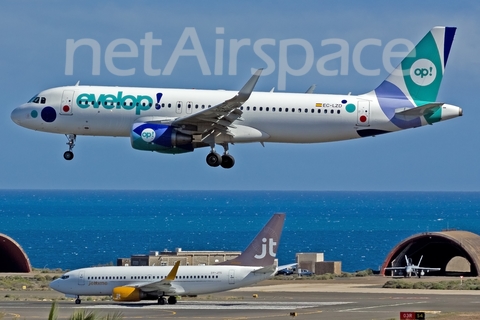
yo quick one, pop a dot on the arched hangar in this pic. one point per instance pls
(12, 256)
(455, 252)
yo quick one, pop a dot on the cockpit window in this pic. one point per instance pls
(65, 277)
(33, 98)
(37, 99)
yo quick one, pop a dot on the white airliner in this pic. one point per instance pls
(180, 120)
(255, 264)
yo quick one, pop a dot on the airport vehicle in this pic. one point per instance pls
(304, 272)
(285, 272)
(177, 121)
(255, 264)
(410, 268)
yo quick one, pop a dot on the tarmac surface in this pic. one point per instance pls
(352, 298)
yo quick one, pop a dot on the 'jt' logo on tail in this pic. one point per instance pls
(271, 243)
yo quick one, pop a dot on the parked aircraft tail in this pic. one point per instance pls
(263, 249)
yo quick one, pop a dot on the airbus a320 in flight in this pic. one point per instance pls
(181, 120)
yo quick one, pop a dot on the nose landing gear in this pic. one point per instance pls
(68, 155)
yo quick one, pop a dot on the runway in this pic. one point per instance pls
(353, 299)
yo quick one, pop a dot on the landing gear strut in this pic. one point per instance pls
(68, 155)
(78, 301)
(215, 160)
(171, 300)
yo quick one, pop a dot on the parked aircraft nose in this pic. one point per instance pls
(54, 284)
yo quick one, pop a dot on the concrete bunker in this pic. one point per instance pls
(455, 252)
(12, 256)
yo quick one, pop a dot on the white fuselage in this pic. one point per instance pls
(266, 117)
(190, 280)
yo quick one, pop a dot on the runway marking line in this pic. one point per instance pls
(381, 306)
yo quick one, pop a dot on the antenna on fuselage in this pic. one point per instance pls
(77, 84)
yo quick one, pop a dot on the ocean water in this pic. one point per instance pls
(74, 229)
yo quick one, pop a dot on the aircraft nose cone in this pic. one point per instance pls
(16, 115)
(54, 284)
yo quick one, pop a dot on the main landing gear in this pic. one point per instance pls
(226, 160)
(163, 300)
(78, 301)
(68, 155)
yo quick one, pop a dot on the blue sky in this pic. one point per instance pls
(34, 38)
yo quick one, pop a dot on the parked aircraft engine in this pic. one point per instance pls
(160, 138)
(131, 294)
(127, 294)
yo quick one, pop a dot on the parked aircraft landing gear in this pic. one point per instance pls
(78, 301)
(172, 300)
(68, 155)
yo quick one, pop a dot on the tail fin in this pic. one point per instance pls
(419, 75)
(263, 249)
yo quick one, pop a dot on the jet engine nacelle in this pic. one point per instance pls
(127, 294)
(131, 294)
(160, 138)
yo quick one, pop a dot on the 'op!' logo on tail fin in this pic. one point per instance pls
(423, 72)
(271, 244)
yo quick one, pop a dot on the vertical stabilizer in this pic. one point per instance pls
(420, 73)
(263, 249)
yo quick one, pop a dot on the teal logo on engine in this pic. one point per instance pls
(138, 103)
(148, 135)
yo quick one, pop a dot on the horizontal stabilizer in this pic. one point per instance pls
(267, 269)
(408, 114)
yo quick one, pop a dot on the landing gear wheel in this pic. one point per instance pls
(68, 155)
(162, 300)
(172, 300)
(78, 301)
(214, 159)
(227, 161)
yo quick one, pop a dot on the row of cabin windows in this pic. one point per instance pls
(148, 277)
(299, 110)
(189, 106)
(179, 105)
(111, 103)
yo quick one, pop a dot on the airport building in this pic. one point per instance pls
(315, 263)
(168, 258)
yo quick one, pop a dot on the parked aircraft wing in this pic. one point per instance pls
(165, 285)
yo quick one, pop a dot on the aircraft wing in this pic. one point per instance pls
(218, 118)
(287, 266)
(165, 285)
(395, 268)
(427, 269)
